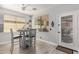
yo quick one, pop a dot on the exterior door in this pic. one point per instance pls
(68, 31)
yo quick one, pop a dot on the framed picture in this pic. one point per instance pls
(43, 23)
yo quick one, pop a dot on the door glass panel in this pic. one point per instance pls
(66, 29)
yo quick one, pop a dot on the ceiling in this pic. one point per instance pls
(40, 8)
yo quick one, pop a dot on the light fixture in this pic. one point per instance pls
(24, 6)
(34, 8)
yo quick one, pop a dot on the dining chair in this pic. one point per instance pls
(12, 40)
(31, 34)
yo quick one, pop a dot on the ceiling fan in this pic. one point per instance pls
(24, 6)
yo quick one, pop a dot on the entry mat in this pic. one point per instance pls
(66, 50)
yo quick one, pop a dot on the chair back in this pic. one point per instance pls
(33, 32)
(12, 41)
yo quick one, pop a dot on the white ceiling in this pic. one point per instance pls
(41, 8)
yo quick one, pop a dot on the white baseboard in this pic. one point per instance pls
(38, 39)
(6, 42)
(48, 42)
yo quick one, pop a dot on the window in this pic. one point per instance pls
(13, 22)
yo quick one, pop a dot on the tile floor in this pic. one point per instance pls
(41, 48)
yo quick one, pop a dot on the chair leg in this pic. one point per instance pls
(12, 47)
(30, 43)
(19, 42)
(34, 42)
(11, 50)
